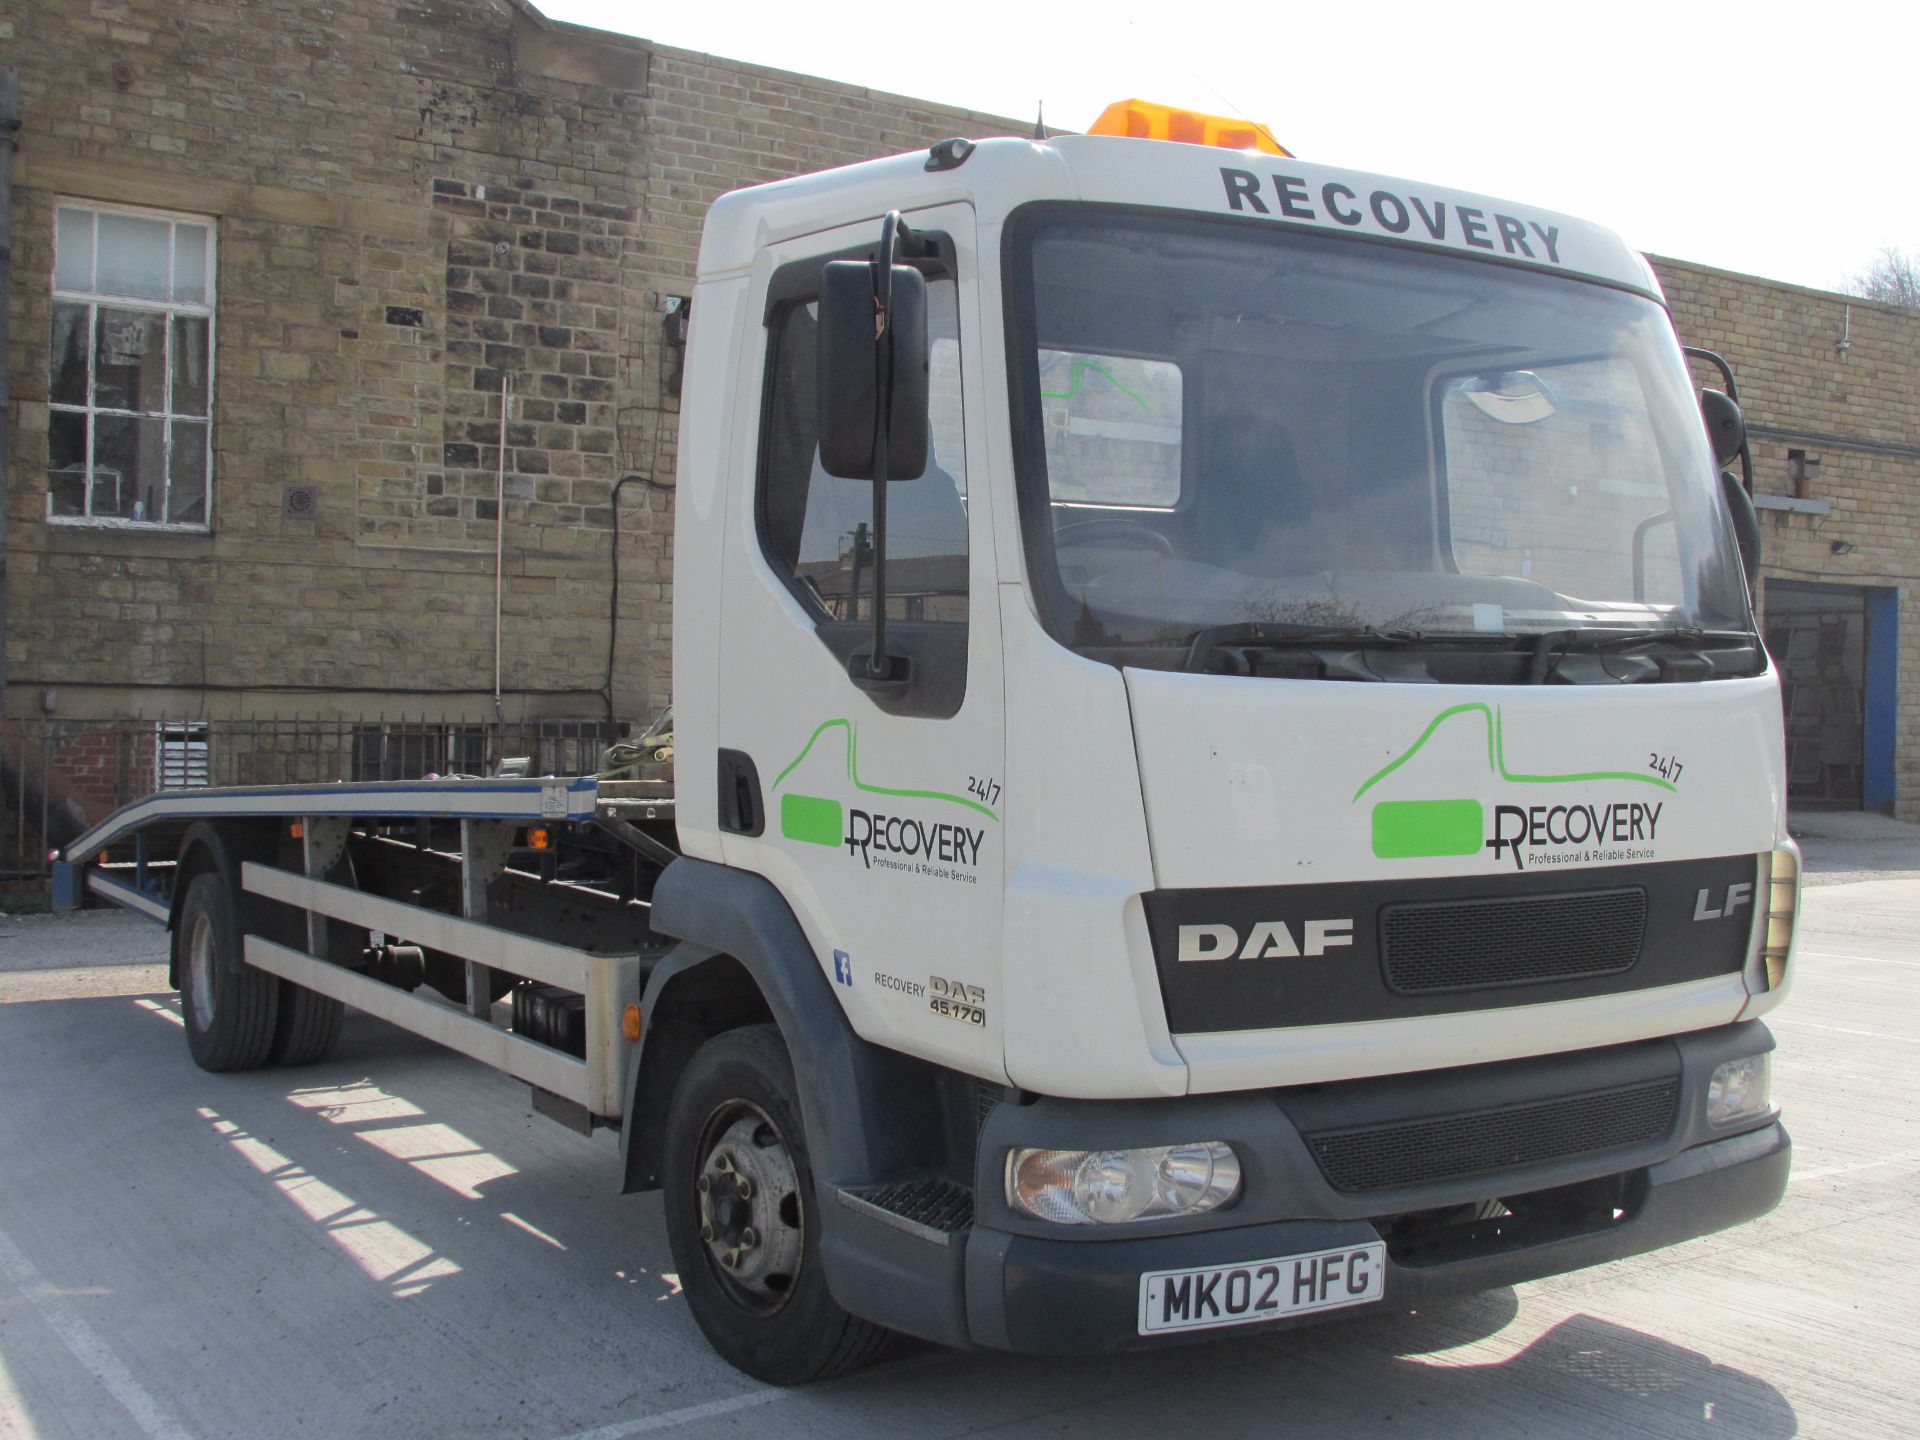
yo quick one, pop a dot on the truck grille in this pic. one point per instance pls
(1477, 944)
(1485, 1142)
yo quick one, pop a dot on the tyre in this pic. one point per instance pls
(309, 1022)
(741, 1217)
(231, 1010)
(307, 1028)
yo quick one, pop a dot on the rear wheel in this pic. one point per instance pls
(309, 1022)
(231, 1010)
(308, 1026)
(741, 1217)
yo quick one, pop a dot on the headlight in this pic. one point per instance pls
(1112, 1187)
(1783, 895)
(1740, 1090)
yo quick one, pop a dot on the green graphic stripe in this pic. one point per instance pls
(1497, 756)
(853, 774)
(1077, 375)
(1406, 829)
(812, 819)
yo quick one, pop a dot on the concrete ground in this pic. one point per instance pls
(1846, 845)
(391, 1245)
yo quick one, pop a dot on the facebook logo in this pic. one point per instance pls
(843, 967)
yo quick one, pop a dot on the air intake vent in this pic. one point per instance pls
(1483, 944)
(1487, 1142)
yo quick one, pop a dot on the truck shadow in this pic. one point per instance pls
(1437, 1372)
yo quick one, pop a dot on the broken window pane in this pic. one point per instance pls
(133, 257)
(130, 360)
(68, 383)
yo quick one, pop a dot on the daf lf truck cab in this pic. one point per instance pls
(1224, 774)
(1322, 782)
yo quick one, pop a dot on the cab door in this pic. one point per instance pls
(878, 814)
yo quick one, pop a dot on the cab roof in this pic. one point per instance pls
(1000, 175)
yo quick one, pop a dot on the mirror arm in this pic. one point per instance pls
(894, 236)
(1696, 352)
(1640, 532)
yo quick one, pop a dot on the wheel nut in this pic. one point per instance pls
(749, 1237)
(730, 1259)
(706, 1233)
(746, 1189)
(704, 1184)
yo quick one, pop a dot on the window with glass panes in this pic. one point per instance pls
(132, 376)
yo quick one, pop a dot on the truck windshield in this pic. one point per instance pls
(1222, 424)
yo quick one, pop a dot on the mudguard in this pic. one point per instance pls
(859, 1101)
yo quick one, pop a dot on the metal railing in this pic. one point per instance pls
(58, 776)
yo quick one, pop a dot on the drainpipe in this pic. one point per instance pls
(499, 545)
(9, 127)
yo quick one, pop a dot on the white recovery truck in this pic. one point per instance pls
(1276, 803)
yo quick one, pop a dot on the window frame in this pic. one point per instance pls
(937, 650)
(798, 283)
(93, 299)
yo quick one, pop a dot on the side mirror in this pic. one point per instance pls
(850, 357)
(1726, 426)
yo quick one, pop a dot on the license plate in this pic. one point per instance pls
(1256, 1290)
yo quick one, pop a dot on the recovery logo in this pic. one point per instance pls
(884, 833)
(1573, 833)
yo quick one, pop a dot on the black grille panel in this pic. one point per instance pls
(1478, 944)
(1456, 1147)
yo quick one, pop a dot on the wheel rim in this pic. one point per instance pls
(747, 1197)
(200, 971)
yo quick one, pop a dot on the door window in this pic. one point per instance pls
(818, 528)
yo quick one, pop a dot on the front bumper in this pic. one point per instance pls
(1586, 1171)
(1044, 1296)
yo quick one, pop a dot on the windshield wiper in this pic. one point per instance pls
(1274, 634)
(1551, 646)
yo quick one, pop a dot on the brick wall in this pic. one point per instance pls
(1858, 410)
(412, 202)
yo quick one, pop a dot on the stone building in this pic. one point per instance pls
(339, 232)
(276, 266)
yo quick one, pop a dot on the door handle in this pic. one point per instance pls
(741, 810)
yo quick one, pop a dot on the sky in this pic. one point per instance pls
(1755, 137)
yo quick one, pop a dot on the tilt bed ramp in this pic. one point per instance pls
(374, 895)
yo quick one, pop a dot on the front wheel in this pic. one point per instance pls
(741, 1218)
